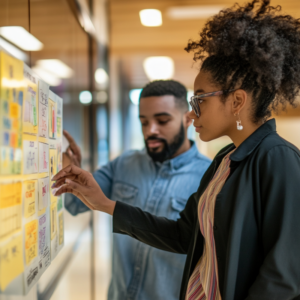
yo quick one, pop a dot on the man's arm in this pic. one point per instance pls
(103, 176)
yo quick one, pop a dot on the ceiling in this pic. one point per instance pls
(53, 23)
(132, 42)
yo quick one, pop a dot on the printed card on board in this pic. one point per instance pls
(30, 197)
(52, 115)
(10, 209)
(43, 108)
(43, 158)
(11, 257)
(30, 159)
(59, 102)
(11, 103)
(44, 242)
(30, 106)
(44, 188)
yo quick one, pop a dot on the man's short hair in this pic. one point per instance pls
(167, 87)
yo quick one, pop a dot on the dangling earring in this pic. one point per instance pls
(239, 125)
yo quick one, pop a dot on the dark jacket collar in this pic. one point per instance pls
(248, 146)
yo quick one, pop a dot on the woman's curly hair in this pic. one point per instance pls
(255, 49)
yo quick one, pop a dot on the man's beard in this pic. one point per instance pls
(169, 149)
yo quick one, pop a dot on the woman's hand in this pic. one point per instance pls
(82, 184)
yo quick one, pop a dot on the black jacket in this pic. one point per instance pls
(256, 224)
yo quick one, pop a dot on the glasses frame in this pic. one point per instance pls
(194, 100)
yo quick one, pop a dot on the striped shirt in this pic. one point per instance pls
(203, 283)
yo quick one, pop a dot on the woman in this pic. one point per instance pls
(241, 229)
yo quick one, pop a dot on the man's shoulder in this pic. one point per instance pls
(202, 159)
(132, 157)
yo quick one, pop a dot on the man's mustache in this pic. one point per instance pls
(156, 139)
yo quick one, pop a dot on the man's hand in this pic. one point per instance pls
(73, 153)
(82, 184)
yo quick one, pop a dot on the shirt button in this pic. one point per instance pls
(215, 227)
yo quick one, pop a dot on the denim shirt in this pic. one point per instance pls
(140, 271)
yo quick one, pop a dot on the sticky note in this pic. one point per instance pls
(31, 239)
(53, 220)
(11, 261)
(30, 106)
(44, 242)
(53, 166)
(52, 116)
(43, 92)
(61, 228)
(10, 209)
(44, 188)
(30, 196)
(43, 158)
(30, 159)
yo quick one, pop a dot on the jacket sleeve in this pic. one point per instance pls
(159, 232)
(279, 275)
(104, 177)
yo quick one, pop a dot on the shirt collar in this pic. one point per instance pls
(248, 146)
(184, 158)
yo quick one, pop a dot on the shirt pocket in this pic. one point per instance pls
(124, 192)
(177, 205)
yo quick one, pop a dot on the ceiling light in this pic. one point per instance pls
(21, 38)
(85, 97)
(193, 12)
(101, 76)
(159, 67)
(51, 79)
(134, 96)
(151, 17)
(56, 67)
(101, 97)
(12, 50)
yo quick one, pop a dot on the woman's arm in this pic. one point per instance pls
(279, 276)
(159, 232)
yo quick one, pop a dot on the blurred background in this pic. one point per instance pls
(97, 55)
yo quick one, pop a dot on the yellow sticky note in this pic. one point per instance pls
(10, 209)
(61, 228)
(31, 238)
(11, 261)
(30, 195)
(14, 110)
(53, 220)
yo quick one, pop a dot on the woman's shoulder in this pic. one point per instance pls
(274, 141)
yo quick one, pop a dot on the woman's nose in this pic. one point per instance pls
(192, 115)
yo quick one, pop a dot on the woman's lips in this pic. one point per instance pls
(198, 128)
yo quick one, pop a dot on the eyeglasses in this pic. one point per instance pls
(197, 99)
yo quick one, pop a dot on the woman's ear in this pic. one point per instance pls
(240, 98)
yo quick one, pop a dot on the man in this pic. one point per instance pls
(158, 179)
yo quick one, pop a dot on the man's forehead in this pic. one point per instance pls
(157, 104)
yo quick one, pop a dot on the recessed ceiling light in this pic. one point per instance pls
(134, 96)
(159, 67)
(193, 12)
(101, 76)
(51, 79)
(56, 67)
(151, 17)
(21, 38)
(85, 97)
